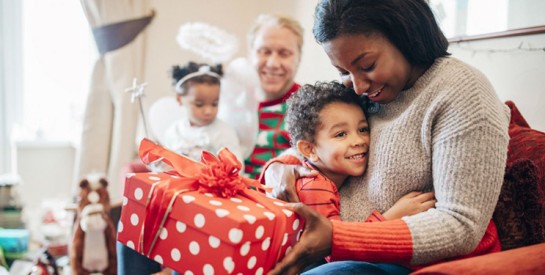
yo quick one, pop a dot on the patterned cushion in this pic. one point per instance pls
(520, 213)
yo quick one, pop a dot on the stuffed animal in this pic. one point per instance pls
(93, 244)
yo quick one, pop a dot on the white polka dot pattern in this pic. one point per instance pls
(138, 193)
(194, 248)
(251, 262)
(158, 259)
(244, 249)
(205, 234)
(259, 232)
(228, 264)
(199, 220)
(164, 234)
(175, 254)
(295, 225)
(215, 202)
(251, 219)
(208, 269)
(180, 226)
(214, 242)
(243, 208)
(266, 243)
(134, 219)
(235, 235)
(222, 213)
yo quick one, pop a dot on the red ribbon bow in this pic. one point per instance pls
(219, 176)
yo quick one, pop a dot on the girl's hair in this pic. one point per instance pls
(304, 107)
(276, 20)
(408, 24)
(192, 73)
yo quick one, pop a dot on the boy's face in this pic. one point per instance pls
(202, 103)
(342, 141)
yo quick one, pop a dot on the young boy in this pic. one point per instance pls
(328, 127)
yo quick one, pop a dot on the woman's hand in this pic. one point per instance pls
(281, 178)
(313, 246)
(410, 204)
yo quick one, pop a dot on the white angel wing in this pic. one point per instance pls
(239, 102)
(162, 114)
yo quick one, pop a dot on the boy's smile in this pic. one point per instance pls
(341, 142)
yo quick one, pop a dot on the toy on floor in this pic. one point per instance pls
(93, 243)
(45, 264)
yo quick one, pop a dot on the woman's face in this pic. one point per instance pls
(202, 103)
(371, 65)
(275, 55)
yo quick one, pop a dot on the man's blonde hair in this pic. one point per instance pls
(276, 20)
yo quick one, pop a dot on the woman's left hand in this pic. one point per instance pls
(313, 246)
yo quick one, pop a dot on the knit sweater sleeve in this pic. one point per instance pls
(468, 126)
(465, 129)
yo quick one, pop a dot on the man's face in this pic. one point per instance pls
(275, 55)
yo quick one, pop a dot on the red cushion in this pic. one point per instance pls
(525, 143)
(525, 260)
(520, 213)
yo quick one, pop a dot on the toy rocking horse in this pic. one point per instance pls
(93, 243)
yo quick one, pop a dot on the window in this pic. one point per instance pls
(57, 56)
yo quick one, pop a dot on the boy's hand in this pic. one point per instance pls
(410, 204)
(282, 177)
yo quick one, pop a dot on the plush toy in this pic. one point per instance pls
(93, 243)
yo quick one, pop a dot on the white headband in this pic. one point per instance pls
(203, 70)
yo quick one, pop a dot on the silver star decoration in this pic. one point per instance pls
(136, 90)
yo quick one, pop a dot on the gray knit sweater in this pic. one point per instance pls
(448, 134)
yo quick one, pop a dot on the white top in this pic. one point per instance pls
(190, 141)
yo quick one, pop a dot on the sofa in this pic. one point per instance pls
(520, 212)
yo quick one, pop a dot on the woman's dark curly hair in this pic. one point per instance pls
(178, 73)
(304, 107)
(408, 24)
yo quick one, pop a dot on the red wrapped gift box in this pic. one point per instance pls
(203, 232)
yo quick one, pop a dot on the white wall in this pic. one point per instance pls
(516, 75)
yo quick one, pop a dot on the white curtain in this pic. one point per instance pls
(110, 121)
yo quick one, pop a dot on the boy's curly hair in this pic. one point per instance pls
(303, 114)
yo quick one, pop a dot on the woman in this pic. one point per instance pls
(440, 127)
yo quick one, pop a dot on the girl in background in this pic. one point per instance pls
(197, 89)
